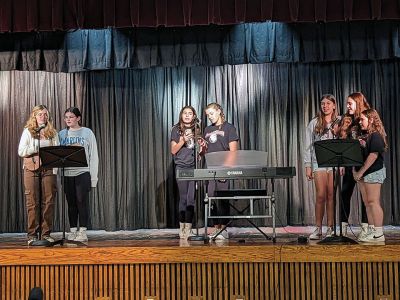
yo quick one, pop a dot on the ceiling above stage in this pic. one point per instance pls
(49, 15)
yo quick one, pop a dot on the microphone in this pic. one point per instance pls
(333, 124)
(41, 126)
(336, 121)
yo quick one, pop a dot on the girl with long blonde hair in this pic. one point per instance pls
(32, 124)
(220, 135)
(39, 132)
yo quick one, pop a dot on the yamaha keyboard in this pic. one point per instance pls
(237, 173)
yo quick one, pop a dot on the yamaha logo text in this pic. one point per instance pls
(234, 173)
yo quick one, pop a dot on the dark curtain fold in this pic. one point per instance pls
(132, 111)
(53, 15)
(83, 50)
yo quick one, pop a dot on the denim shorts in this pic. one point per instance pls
(315, 168)
(376, 177)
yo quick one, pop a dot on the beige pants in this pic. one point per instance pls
(49, 190)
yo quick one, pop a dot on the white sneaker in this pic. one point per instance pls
(81, 235)
(329, 232)
(317, 234)
(363, 233)
(213, 233)
(224, 235)
(377, 239)
(344, 228)
(71, 236)
(182, 230)
(31, 240)
(188, 231)
(48, 238)
(371, 237)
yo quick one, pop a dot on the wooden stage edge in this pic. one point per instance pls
(127, 267)
(150, 253)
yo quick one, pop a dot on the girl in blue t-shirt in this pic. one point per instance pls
(372, 173)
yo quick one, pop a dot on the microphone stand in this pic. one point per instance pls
(196, 237)
(40, 242)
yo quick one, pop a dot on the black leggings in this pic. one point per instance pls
(347, 191)
(77, 190)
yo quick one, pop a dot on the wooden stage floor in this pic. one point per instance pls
(152, 246)
(156, 264)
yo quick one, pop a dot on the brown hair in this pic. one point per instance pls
(321, 123)
(361, 105)
(74, 110)
(181, 125)
(376, 125)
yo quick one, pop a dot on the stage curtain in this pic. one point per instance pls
(54, 15)
(132, 111)
(84, 50)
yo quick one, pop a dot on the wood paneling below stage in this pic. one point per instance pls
(148, 270)
(205, 281)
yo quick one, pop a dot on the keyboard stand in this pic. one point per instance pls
(246, 213)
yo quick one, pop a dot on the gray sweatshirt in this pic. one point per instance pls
(82, 137)
(311, 137)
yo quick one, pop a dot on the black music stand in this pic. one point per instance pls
(63, 157)
(336, 154)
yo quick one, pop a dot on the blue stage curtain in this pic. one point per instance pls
(254, 43)
(131, 113)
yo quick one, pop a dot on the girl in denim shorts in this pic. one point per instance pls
(372, 173)
(321, 128)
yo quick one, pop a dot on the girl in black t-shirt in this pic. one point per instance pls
(372, 173)
(183, 149)
(219, 136)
